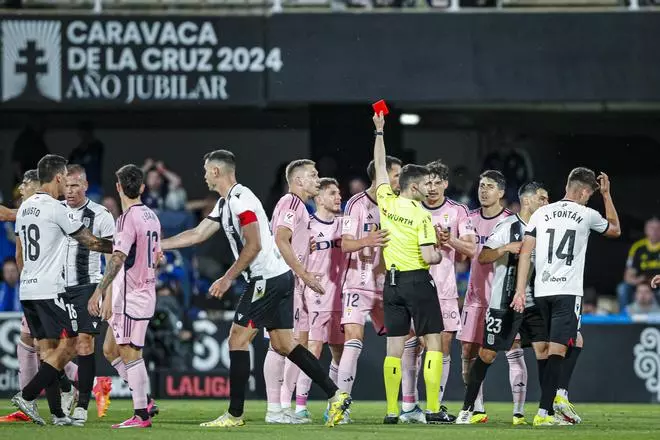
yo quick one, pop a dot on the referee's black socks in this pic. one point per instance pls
(309, 365)
(476, 376)
(550, 381)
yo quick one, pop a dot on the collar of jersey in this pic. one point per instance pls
(437, 207)
(84, 205)
(323, 221)
(521, 220)
(481, 213)
(370, 199)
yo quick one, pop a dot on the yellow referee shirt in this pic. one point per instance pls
(409, 226)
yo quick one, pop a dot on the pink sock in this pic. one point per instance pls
(302, 391)
(273, 376)
(348, 365)
(118, 365)
(290, 377)
(138, 382)
(334, 371)
(446, 363)
(409, 374)
(71, 371)
(518, 379)
(28, 363)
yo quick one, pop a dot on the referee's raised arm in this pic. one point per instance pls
(379, 150)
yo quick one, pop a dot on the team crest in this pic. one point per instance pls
(86, 222)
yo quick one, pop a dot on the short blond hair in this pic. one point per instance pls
(296, 165)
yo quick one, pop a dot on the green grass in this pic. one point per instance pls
(179, 419)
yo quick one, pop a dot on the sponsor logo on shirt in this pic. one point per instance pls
(548, 278)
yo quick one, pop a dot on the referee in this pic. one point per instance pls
(409, 289)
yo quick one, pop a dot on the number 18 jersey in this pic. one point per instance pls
(562, 232)
(42, 225)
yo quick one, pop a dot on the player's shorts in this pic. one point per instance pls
(414, 297)
(78, 296)
(128, 331)
(50, 318)
(473, 321)
(357, 305)
(300, 313)
(451, 316)
(24, 326)
(562, 315)
(325, 327)
(267, 303)
(503, 327)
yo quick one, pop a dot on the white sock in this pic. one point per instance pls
(542, 413)
(274, 407)
(562, 393)
(407, 406)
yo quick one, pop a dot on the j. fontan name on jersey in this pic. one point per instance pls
(397, 218)
(571, 215)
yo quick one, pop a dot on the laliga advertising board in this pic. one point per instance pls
(134, 60)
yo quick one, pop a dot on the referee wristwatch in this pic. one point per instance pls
(378, 133)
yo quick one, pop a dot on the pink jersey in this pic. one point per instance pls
(328, 261)
(365, 272)
(134, 288)
(481, 275)
(291, 213)
(453, 216)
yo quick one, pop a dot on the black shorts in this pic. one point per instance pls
(50, 318)
(562, 315)
(79, 297)
(414, 297)
(502, 327)
(267, 303)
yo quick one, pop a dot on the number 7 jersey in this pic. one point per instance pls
(562, 232)
(42, 225)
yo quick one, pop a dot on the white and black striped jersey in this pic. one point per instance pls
(562, 232)
(505, 268)
(43, 226)
(82, 265)
(240, 208)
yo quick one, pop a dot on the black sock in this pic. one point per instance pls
(309, 365)
(54, 399)
(239, 375)
(64, 382)
(46, 375)
(86, 374)
(142, 413)
(542, 363)
(568, 366)
(550, 379)
(476, 377)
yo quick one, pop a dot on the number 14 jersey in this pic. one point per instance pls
(562, 232)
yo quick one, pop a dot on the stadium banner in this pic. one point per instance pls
(60, 61)
(464, 58)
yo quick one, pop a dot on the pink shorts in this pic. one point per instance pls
(300, 314)
(128, 331)
(357, 305)
(451, 317)
(473, 322)
(24, 326)
(326, 327)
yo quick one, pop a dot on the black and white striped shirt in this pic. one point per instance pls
(82, 265)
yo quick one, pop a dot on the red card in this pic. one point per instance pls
(380, 106)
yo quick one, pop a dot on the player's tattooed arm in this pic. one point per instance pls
(112, 268)
(202, 232)
(87, 239)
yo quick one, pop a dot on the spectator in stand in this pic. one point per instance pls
(163, 188)
(110, 203)
(356, 185)
(643, 263)
(9, 298)
(29, 147)
(89, 154)
(645, 302)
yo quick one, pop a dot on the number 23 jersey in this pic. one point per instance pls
(562, 232)
(42, 225)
